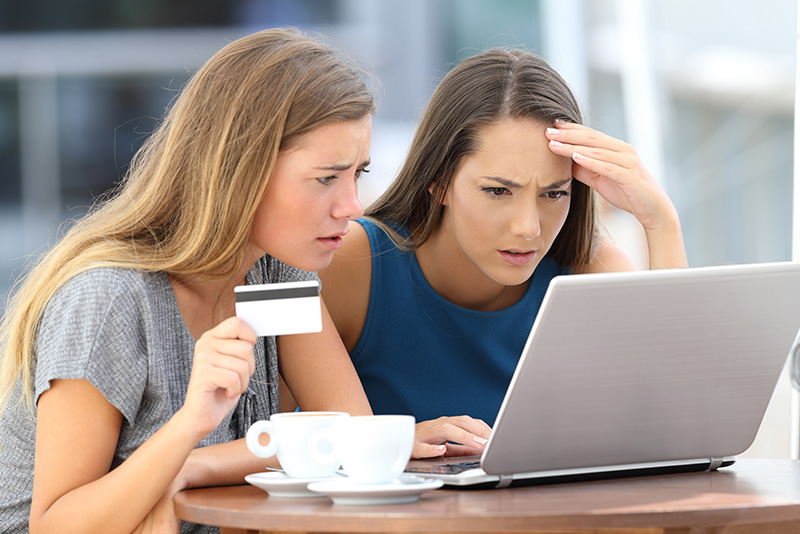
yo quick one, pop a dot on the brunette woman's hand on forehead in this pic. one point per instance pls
(450, 436)
(613, 169)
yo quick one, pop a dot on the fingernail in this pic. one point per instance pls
(576, 156)
(555, 143)
(552, 131)
(559, 121)
(441, 448)
(480, 440)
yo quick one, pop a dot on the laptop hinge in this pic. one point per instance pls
(715, 463)
(505, 481)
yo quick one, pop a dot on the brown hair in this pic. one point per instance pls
(191, 193)
(483, 89)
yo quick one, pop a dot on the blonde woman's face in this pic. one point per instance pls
(312, 194)
(507, 202)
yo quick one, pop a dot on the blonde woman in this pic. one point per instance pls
(121, 351)
(434, 292)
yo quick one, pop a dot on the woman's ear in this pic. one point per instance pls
(438, 192)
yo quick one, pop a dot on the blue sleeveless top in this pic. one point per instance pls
(422, 355)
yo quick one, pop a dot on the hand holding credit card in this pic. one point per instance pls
(280, 309)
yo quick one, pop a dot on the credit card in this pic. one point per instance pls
(280, 309)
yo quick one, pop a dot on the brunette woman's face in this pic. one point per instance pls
(508, 201)
(312, 194)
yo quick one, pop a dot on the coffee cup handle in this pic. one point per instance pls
(321, 437)
(255, 431)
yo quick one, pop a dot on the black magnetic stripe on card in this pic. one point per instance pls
(271, 294)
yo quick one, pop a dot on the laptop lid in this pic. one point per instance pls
(631, 371)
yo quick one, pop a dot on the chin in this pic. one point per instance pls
(511, 277)
(310, 264)
(509, 281)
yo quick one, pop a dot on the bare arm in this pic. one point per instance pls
(321, 377)
(316, 373)
(613, 169)
(77, 432)
(319, 373)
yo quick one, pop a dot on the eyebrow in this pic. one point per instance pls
(341, 166)
(511, 184)
(559, 184)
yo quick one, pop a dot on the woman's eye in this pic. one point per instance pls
(326, 180)
(360, 171)
(495, 191)
(555, 195)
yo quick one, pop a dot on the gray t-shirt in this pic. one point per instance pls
(121, 330)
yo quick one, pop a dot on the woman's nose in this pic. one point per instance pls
(526, 223)
(348, 206)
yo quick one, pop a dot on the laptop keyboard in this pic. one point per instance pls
(445, 469)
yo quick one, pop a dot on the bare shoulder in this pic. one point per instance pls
(346, 284)
(608, 258)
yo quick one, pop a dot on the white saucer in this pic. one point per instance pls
(405, 489)
(283, 486)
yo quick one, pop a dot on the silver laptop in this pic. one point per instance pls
(639, 373)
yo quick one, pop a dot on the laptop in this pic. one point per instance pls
(639, 373)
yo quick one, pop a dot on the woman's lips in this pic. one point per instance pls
(518, 257)
(333, 242)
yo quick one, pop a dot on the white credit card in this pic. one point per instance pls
(280, 309)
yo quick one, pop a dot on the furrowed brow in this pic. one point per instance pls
(511, 184)
(557, 185)
(335, 167)
(340, 166)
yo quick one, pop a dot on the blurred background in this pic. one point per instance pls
(704, 89)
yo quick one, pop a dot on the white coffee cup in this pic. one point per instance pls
(290, 436)
(373, 449)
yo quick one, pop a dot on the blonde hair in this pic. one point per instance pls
(190, 196)
(483, 89)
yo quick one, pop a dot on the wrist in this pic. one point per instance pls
(194, 473)
(186, 425)
(666, 247)
(667, 221)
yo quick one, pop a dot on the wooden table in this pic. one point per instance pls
(751, 497)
